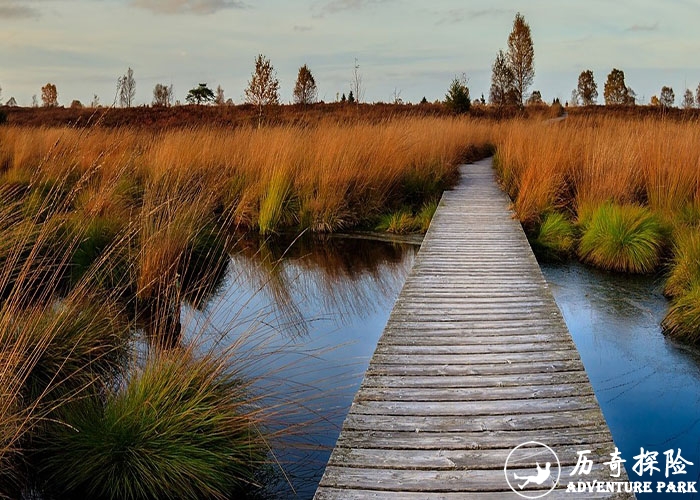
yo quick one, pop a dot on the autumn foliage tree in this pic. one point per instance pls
(521, 57)
(688, 99)
(305, 91)
(502, 82)
(615, 91)
(667, 98)
(587, 88)
(263, 87)
(49, 95)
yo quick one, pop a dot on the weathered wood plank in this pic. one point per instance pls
(474, 361)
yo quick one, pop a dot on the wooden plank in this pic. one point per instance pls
(474, 361)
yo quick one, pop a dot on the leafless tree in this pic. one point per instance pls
(356, 84)
(126, 89)
(163, 95)
(219, 98)
(688, 99)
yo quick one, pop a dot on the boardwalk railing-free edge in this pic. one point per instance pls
(475, 360)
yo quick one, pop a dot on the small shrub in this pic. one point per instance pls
(425, 216)
(555, 237)
(627, 238)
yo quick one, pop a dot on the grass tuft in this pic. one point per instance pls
(682, 321)
(555, 238)
(627, 238)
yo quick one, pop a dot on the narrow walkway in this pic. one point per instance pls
(475, 360)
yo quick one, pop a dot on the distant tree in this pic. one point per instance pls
(126, 89)
(229, 102)
(521, 57)
(95, 103)
(11, 102)
(219, 98)
(654, 101)
(667, 98)
(575, 99)
(200, 95)
(697, 95)
(305, 91)
(263, 87)
(587, 88)
(457, 98)
(356, 83)
(35, 101)
(424, 100)
(615, 91)
(351, 97)
(688, 99)
(49, 95)
(76, 104)
(535, 97)
(631, 97)
(396, 96)
(162, 95)
(503, 90)
(343, 98)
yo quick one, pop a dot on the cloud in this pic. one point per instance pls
(302, 29)
(11, 10)
(454, 16)
(201, 7)
(336, 6)
(644, 27)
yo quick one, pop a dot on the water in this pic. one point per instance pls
(305, 319)
(648, 386)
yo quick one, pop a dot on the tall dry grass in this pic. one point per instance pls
(598, 171)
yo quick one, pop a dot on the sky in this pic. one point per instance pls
(410, 48)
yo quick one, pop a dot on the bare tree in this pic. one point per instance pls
(356, 84)
(263, 87)
(163, 95)
(575, 99)
(521, 56)
(35, 101)
(305, 91)
(49, 95)
(11, 102)
(688, 99)
(396, 96)
(219, 98)
(95, 103)
(697, 95)
(587, 88)
(126, 88)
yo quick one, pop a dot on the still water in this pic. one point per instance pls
(648, 386)
(304, 319)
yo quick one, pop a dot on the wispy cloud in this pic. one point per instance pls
(14, 10)
(302, 29)
(455, 16)
(644, 27)
(201, 7)
(336, 6)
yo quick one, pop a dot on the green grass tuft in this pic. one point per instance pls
(425, 215)
(177, 429)
(401, 222)
(682, 321)
(685, 267)
(555, 237)
(626, 238)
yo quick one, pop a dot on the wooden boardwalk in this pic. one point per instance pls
(475, 360)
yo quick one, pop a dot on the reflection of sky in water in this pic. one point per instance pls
(647, 385)
(307, 325)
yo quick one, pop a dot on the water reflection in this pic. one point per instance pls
(306, 315)
(647, 385)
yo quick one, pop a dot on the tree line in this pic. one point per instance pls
(513, 74)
